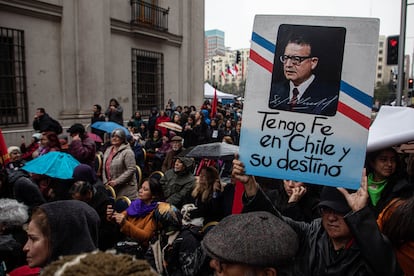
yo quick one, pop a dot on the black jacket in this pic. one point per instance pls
(370, 253)
(304, 210)
(47, 123)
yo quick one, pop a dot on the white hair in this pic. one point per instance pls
(12, 212)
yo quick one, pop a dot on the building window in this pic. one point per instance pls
(148, 13)
(147, 80)
(13, 92)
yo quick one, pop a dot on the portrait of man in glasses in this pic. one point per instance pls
(298, 82)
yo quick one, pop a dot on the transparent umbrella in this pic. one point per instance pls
(218, 150)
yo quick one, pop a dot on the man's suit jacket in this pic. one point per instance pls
(319, 98)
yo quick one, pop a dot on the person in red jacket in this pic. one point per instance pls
(160, 119)
(27, 151)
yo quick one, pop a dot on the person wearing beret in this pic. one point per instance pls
(256, 243)
(344, 241)
(176, 148)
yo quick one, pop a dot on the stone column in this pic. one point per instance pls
(85, 54)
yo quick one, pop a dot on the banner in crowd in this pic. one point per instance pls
(308, 98)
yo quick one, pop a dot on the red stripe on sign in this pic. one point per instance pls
(261, 61)
(354, 115)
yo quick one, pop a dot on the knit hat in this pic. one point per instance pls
(13, 148)
(83, 172)
(257, 239)
(77, 128)
(332, 198)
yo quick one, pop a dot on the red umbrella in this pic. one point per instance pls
(95, 137)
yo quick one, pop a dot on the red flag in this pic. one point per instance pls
(214, 105)
(236, 69)
(222, 74)
(228, 70)
(4, 155)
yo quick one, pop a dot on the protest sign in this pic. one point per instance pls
(308, 98)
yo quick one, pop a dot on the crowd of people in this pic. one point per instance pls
(175, 216)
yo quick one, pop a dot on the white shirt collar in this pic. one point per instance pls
(302, 87)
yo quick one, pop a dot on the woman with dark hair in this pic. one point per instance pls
(228, 128)
(215, 133)
(188, 134)
(97, 197)
(200, 129)
(386, 178)
(60, 228)
(48, 142)
(397, 223)
(120, 166)
(143, 132)
(137, 221)
(114, 112)
(153, 143)
(97, 115)
(294, 199)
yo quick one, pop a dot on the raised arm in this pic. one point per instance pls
(238, 173)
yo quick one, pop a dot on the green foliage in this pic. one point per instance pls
(383, 93)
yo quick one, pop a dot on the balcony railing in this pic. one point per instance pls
(146, 14)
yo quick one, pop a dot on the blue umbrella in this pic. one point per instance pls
(109, 127)
(54, 164)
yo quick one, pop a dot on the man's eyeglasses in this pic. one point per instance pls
(296, 60)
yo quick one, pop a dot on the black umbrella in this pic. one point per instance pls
(217, 150)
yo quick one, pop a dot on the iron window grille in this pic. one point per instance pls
(146, 13)
(147, 80)
(13, 87)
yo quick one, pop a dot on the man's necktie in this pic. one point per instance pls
(294, 99)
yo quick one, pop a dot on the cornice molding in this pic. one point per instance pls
(33, 8)
(125, 28)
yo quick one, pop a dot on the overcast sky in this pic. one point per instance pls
(235, 17)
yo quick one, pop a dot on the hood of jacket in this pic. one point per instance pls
(73, 227)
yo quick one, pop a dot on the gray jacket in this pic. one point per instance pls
(122, 170)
